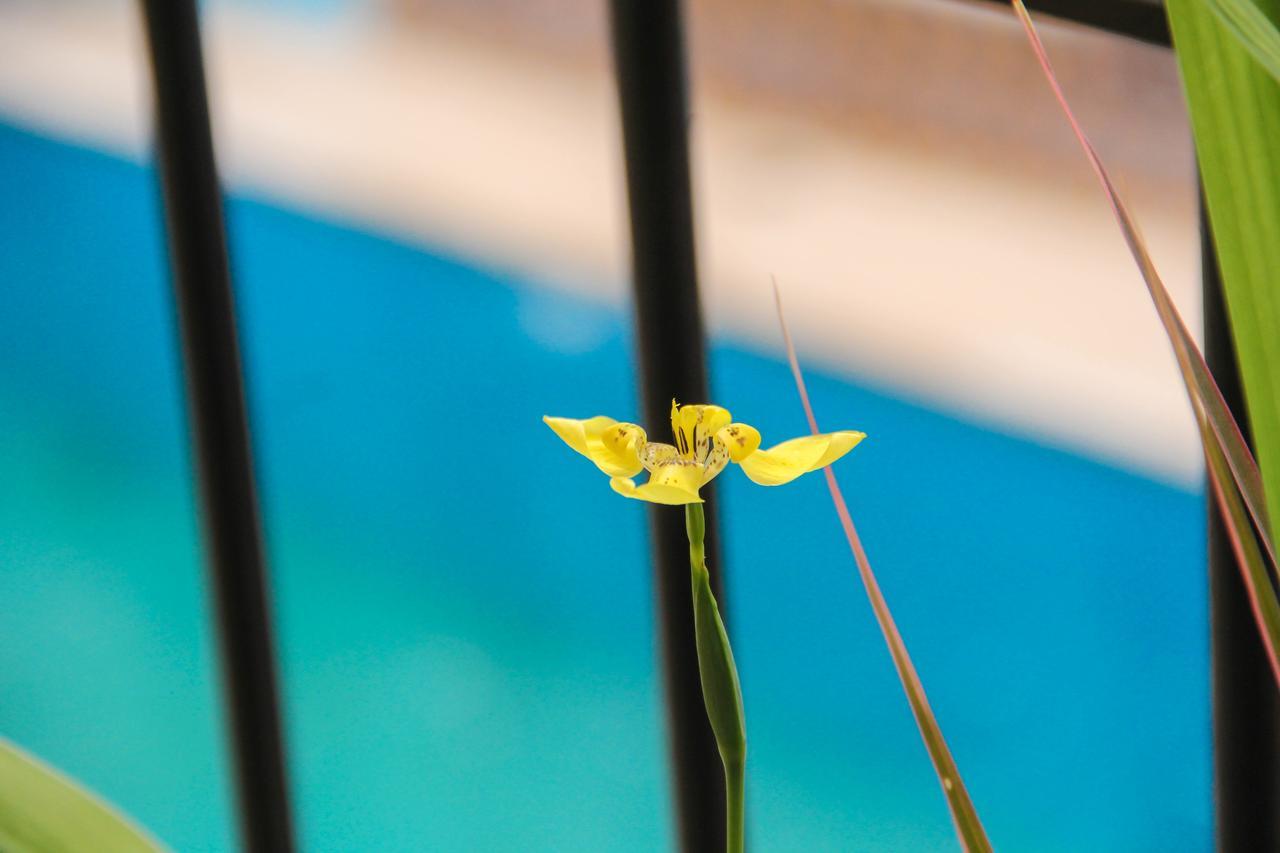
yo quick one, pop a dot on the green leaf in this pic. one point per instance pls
(720, 689)
(1253, 30)
(721, 692)
(1235, 115)
(42, 811)
(968, 825)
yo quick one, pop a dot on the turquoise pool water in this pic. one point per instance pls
(464, 608)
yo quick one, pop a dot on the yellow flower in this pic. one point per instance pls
(706, 440)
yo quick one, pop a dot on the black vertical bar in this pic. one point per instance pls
(218, 419)
(648, 48)
(1246, 704)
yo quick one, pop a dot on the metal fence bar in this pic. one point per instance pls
(648, 48)
(219, 422)
(1246, 706)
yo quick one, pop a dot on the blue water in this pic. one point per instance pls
(464, 609)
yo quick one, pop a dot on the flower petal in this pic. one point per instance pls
(656, 454)
(675, 483)
(573, 431)
(741, 440)
(788, 460)
(658, 493)
(694, 425)
(716, 459)
(614, 447)
(682, 474)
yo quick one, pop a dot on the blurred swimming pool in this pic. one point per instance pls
(464, 610)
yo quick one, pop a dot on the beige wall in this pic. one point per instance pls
(898, 165)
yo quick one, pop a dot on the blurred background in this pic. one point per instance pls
(429, 241)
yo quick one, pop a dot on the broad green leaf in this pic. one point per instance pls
(1235, 115)
(968, 826)
(1252, 28)
(43, 811)
(1231, 466)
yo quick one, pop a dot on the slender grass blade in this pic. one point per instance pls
(1231, 466)
(968, 826)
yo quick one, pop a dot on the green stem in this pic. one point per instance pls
(720, 690)
(695, 524)
(734, 783)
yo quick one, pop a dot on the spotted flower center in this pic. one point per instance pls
(697, 455)
(695, 427)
